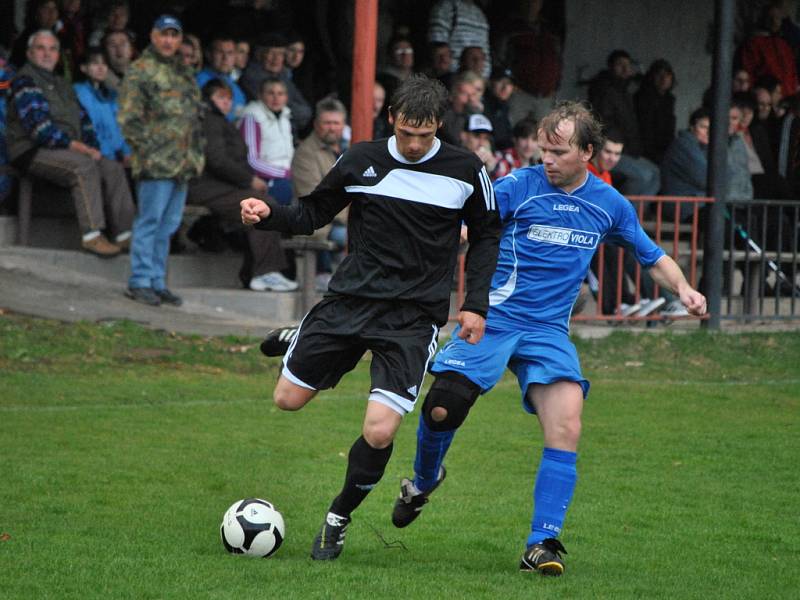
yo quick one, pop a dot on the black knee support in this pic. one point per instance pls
(454, 393)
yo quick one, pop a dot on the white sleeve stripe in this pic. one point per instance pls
(490, 200)
(494, 200)
(486, 198)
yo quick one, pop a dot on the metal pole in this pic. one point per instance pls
(718, 158)
(365, 41)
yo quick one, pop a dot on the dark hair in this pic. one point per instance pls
(111, 32)
(525, 128)
(293, 36)
(212, 85)
(744, 100)
(656, 67)
(272, 40)
(91, 52)
(271, 81)
(700, 113)
(612, 58)
(588, 130)
(220, 37)
(420, 100)
(768, 82)
(86, 59)
(614, 135)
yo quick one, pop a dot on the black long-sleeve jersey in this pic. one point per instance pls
(404, 224)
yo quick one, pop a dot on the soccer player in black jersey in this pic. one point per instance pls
(408, 196)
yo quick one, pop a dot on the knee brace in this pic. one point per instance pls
(454, 393)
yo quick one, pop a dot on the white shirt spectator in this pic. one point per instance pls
(460, 23)
(268, 136)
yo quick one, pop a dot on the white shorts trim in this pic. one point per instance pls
(397, 403)
(288, 375)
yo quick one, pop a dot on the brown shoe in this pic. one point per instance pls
(101, 247)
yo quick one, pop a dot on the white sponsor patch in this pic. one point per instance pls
(567, 207)
(453, 361)
(563, 237)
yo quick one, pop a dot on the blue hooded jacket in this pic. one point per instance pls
(101, 106)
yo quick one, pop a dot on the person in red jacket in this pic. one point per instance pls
(767, 53)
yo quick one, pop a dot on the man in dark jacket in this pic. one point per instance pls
(227, 180)
(685, 167)
(613, 103)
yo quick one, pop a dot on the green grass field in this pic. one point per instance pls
(120, 449)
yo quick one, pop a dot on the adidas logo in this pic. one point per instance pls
(370, 172)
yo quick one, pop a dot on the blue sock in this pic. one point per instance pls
(431, 448)
(552, 493)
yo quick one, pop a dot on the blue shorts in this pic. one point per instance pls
(541, 356)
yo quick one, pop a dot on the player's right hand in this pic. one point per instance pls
(253, 210)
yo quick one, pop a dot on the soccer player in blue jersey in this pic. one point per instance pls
(554, 216)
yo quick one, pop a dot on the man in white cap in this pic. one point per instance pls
(477, 137)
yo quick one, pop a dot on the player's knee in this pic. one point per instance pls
(379, 435)
(439, 413)
(290, 397)
(285, 400)
(448, 402)
(565, 433)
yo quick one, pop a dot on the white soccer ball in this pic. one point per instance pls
(252, 526)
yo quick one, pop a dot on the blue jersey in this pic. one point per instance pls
(549, 238)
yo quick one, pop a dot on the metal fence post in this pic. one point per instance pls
(718, 157)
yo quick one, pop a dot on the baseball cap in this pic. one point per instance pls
(478, 123)
(165, 22)
(502, 73)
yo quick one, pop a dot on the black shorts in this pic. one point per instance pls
(337, 332)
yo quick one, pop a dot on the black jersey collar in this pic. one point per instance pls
(392, 142)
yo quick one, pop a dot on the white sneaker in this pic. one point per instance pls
(650, 306)
(272, 282)
(626, 310)
(675, 309)
(321, 282)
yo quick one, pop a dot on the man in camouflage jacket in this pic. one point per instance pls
(160, 114)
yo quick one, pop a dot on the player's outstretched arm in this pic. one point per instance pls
(253, 210)
(668, 274)
(472, 326)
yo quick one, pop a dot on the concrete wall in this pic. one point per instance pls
(678, 30)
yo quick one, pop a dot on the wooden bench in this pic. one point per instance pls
(307, 248)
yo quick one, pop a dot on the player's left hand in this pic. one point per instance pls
(694, 302)
(472, 326)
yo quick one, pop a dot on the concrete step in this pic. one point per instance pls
(272, 306)
(198, 269)
(106, 280)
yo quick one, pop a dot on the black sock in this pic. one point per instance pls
(365, 466)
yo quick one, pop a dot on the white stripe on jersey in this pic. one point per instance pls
(416, 186)
(490, 200)
(501, 294)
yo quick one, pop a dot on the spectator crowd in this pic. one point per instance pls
(134, 129)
